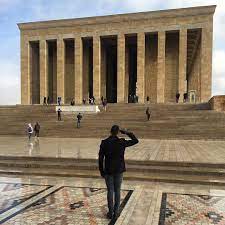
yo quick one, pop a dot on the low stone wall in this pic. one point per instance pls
(217, 103)
(77, 109)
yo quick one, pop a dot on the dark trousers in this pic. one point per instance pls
(113, 183)
(78, 123)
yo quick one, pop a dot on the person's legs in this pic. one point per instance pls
(110, 191)
(117, 186)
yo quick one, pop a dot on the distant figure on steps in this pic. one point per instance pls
(59, 111)
(148, 114)
(72, 102)
(104, 104)
(177, 97)
(37, 128)
(79, 117)
(44, 101)
(148, 100)
(30, 131)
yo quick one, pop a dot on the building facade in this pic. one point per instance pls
(155, 54)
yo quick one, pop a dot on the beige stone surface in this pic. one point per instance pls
(198, 151)
(206, 62)
(182, 62)
(78, 70)
(141, 67)
(161, 67)
(43, 70)
(121, 68)
(97, 67)
(162, 23)
(60, 68)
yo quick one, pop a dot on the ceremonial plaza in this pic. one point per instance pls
(175, 174)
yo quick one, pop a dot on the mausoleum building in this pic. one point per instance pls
(155, 54)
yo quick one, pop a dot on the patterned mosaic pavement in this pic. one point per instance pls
(177, 209)
(68, 205)
(12, 194)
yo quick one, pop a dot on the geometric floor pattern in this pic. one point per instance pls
(68, 205)
(12, 194)
(185, 209)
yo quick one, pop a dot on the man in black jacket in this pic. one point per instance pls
(112, 150)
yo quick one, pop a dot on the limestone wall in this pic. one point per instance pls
(217, 103)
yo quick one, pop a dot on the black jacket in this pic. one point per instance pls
(112, 150)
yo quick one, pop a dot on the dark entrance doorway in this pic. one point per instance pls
(109, 46)
(131, 47)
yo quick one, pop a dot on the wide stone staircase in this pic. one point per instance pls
(168, 121)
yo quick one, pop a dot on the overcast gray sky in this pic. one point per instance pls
(14, 11)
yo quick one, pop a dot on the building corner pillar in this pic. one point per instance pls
(43, 70)
(182, 62)
(121, 68)
(25, 72)
(60, 69)
(97, 68)
(141, 67)
(206, 63)
(161, 67)
(78, 70)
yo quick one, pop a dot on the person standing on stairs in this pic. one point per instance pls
(37, 128)
(59, 111)
(30, 131)
(79, 117)
(148, 114)
(112, 166)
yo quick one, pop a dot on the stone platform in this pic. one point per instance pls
(180, 161)
(62, 200)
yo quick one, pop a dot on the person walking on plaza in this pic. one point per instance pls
(37, 128)
(148, 114)
(79, 117)
(30, 131)
(112, 166)
(84, 101)
(59, 111)
(177, 97)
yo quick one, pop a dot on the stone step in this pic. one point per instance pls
(138, 176)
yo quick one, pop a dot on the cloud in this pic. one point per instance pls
(10, 83)
(12, 11)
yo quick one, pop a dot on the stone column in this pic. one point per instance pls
(78, 70)
(121, 68)
(206, 63)
(43, 70)
(141, 67)
(161, 67)
(182, 62)
(60, 69)
(97, 68)
(25, 72)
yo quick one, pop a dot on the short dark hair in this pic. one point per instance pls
(115, 130)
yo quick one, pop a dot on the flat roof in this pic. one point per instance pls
(180, 12)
